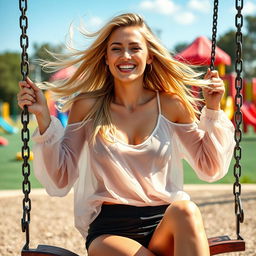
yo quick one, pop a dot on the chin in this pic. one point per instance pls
(128, 79)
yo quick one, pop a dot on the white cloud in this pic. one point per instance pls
(147, 5)
(200, 5)
(169, 8)
(165, 7)
(249, 8)
(185, 18)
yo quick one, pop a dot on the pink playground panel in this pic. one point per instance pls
(249, 105)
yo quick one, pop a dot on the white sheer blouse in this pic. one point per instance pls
(150, 173)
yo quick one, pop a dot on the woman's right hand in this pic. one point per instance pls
(31, 96)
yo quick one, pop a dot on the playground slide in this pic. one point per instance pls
(63, 118)
(7, 127)
(252, 109)
(249, 115)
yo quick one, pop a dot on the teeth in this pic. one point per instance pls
(126, 66)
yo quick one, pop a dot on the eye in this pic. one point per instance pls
(136, 48)
(116, 49)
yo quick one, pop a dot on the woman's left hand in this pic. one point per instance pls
(214, 94)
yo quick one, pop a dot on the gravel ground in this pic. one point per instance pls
(52, 218)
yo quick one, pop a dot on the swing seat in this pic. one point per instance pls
(223, 244)
(47, 250)
(217, 245)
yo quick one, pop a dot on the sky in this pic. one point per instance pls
(173, 21)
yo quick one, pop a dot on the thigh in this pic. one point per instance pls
(112, 245)
(162, 240)
(181, 218)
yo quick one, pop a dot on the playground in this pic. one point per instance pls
(53, 218)
(49, 215)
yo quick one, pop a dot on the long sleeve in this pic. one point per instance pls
(56, 156)
(208, 146)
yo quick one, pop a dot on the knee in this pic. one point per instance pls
(184, 209)
(185, 214)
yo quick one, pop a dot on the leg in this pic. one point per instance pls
(111, 245)
(181, 232)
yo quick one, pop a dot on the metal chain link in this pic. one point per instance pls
(214, 33)
(238, 118)
(25, 151)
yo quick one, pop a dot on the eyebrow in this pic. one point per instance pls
(118, 43)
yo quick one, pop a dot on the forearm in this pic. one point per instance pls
(48, 141)
(208, 149)
(43, 120)
(57, 153)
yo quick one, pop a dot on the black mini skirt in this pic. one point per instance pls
(137, 223)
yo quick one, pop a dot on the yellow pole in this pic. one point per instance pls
(6, 110)
(222, 69)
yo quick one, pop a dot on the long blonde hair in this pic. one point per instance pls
(92, 79)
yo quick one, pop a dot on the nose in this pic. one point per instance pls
(126, 54)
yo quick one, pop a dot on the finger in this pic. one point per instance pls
(33, 86)
(207, 74)
(27, 97)
(217, 82)
(215, 87)
(216, 79)
(219, 90)
(23, 84)
(29, 91)
(214, 73)
(23, 103)
(215, 92)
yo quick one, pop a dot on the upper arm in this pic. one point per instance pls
(174, 109)
(80, 109)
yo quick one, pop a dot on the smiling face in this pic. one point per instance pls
(127, 54)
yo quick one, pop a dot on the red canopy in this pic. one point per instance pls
(63, 74)
(199, 53)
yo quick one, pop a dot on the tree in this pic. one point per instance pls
(251, 25)
(228, 44)
(249, 47)
(10, 70)
(9, 75)
(41, 52)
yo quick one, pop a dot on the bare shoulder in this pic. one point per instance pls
(174, 109)
(80, 108)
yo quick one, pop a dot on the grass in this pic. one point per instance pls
(247, 163)
(10, 168)
(11, 174)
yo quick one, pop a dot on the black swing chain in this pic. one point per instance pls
(214, 36)
(238, 102)
(25, 151)
(238, 118)
(214, 32)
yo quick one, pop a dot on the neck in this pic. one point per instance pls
(130, 95)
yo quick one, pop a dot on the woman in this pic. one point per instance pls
(132, 120)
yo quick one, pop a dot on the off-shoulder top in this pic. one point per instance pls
(149, 173)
